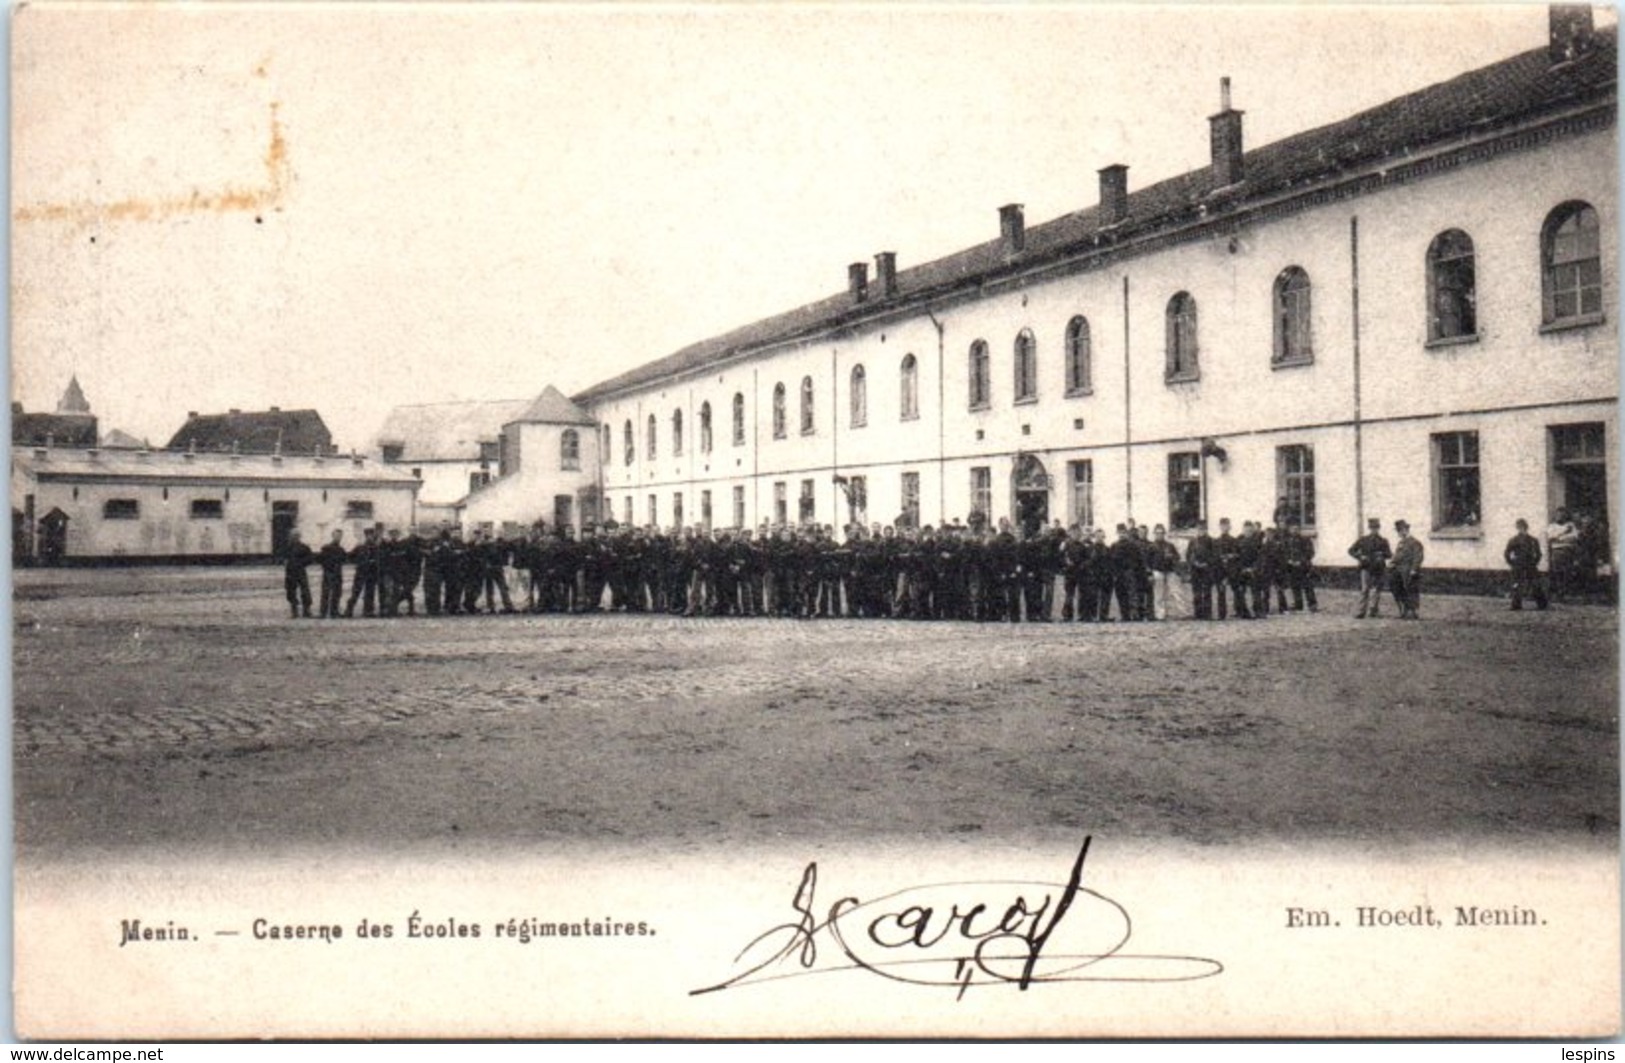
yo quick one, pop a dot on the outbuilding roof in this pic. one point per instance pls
(447, 431)
(255, 432)
(1479, 103)
(172, 466)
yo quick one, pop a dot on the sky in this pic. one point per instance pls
(353, 207)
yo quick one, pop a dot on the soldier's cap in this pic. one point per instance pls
(1522, 524)
(1374, 522)
(1402, 525)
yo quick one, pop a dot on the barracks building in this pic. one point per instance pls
(1408, 314)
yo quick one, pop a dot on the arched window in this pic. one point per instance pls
(569, 449)
(630, 447)
(778, 411)
(677, 433)
(1182, 338)
(652, 445)
(1571, 264)
(705, 428)
(859, 397)
(1452, 287)
(1079, 372)
(1293, 334)
(909, 388)
(806, 406)
(1026, 366)
(981, 384)
(739, 419)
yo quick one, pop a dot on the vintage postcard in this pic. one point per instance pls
(808, 520)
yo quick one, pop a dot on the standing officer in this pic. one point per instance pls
(331, 557)
(1523, 557)
(1232, 570)
(1298, 561)
(1162, 558)
(1371, 552)
(296, 557)
(1202, 558)
(365, 586)
(1407, 577)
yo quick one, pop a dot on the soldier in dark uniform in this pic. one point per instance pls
(1074, 570)
(1162, 560)
(364, 587)
(407, 567)
(434, 573)
(451, 572)
(471, 571)
(1127, 562)
(1262, 572)
(1523, 557)
(1298, 562)
(1233, 568)
(332, 557)
(296, 558)
(1202, 559)
(1103, 571)
(1407, 572)
(1371, 552)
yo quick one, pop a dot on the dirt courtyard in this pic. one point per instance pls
(176, 710)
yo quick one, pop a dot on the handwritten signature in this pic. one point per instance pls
(962, 934)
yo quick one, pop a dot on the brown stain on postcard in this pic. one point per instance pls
(278, 176)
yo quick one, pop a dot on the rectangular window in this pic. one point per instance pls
(859, 488)
(121, 509)
(781, 503)
(705, 510)
(477, 480)
(806, 511)
(357, 509)
(1456, 498)
(1295, 484)
(1184, 490)
(208, 509)
(677, 508)
(654, 512)
(626, 509)
(910, 517)
(490, 450)
(739, 506)
(1083, 492)
(981, 494)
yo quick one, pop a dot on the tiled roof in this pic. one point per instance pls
(1480, 102)
(59, 429)
(448, 431)
(256, 432)
(213, 467)
(551, 407)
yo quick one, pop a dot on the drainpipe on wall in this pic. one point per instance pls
(1128, 415)
(942, 430)
(1354, 302)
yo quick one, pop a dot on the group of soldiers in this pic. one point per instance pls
(957, 572)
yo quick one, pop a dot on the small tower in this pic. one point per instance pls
(73, 398)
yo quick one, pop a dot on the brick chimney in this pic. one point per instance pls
(1113, 194)
(1012, 228)
(857, 281)
(1571, 32)
(1226, 132)
(886, 273)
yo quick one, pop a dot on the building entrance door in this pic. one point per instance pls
(284, 519)
(1031, 484)
(563, 511)
(53, 536)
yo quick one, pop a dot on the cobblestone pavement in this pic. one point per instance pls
(191, 705)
